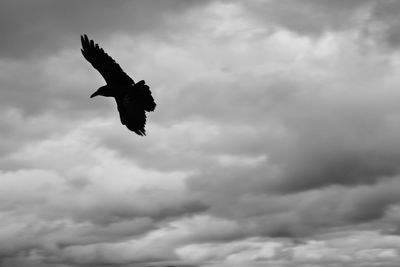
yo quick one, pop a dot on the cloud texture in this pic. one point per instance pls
(274, 142)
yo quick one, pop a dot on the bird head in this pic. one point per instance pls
(103, 91)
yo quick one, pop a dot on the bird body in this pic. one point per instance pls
(133, 99)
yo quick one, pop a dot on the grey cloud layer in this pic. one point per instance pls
(264, 132)
(50, 26)
(376, 20)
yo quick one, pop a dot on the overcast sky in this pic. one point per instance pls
(275, 141)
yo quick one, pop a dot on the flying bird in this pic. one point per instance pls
(133, 99)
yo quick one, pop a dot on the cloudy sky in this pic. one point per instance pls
(275, 142)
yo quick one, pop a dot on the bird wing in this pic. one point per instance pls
(141, 92)
(106, 65)
(132, 114)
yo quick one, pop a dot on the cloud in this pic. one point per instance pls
(274, 141)
(373, 21)
(311, 17)
(51, 26)
(351, 250)
(71, 201)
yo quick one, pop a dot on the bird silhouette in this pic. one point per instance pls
(133, 99)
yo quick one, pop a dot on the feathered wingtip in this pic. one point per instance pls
(85, 45)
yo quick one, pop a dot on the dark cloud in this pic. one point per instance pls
(384, 24)
(54, 25)
(296, 215)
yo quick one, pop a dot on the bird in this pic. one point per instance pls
(133, 99)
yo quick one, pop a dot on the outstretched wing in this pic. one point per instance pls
(132, 114)
(106, 65)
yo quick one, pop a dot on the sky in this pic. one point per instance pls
(275, 141)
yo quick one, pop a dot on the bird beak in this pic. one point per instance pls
(94, 94)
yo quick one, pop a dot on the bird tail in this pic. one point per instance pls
(142, 90)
